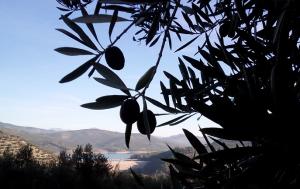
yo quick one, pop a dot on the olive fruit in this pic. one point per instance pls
(151, 119)
(129, 111)
(114, 58)
(224, 29)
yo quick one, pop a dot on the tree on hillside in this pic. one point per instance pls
(24, 157)
(86, 161)
(244, 76)
(84, 166)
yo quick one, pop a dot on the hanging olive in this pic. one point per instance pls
(141, 125)
(129, 111)
(114, 58)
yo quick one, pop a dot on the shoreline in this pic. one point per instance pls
(124, 165)
(129, 152)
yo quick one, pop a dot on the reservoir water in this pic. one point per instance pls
(117, 156)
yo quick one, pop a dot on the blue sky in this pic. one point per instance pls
(30, 70)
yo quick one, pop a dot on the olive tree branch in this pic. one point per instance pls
(128, 27)
(162, 46)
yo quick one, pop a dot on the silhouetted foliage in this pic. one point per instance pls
(80, 170)
(152, 161)
(244, 76)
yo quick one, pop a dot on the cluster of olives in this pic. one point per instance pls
(130, 109)
(114, 58)
(130, 113)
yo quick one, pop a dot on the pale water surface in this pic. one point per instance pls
(117, 156)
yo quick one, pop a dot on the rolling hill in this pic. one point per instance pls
(102, 140)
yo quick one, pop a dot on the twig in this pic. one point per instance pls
(162, 45)
(128, 27)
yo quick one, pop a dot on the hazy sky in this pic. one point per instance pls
(30, 70)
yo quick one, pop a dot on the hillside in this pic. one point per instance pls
(101, 140)
(14, 143)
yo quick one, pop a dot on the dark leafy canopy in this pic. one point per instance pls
(79, 169)
(244, 76)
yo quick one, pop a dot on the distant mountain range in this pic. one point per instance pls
(102, 140)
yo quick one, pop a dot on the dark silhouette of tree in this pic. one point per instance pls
(244, 76)
(7, 159)
(64, 158)
(33, 175)
(77, 157)
(24, 157)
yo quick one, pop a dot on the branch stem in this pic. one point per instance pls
(162, 45)
(128, 27)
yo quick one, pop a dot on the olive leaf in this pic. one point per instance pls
(192, 73)
(164, 92)
(171, 121)
(98, 7)
(172, 78)
(89, 25)
(168, 36)
(112, 84)
(186, 9)
(179, 155)
(220, 143)
(78, 71)
(153, 28)
(188, 20)
(99, 18)
(183, 70)
(211, 147)
(112, 99)
(187, 44)
(160, 105)
(106, 102)
(71, 51)
(69, 34)
(87, 41)
(145, 79)
(62, 9)
(195, 142)
(114, 18)
(128, 134)
(119, 8)
(182, 120)
(154, 41)
(201, 13)
(111, 78)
